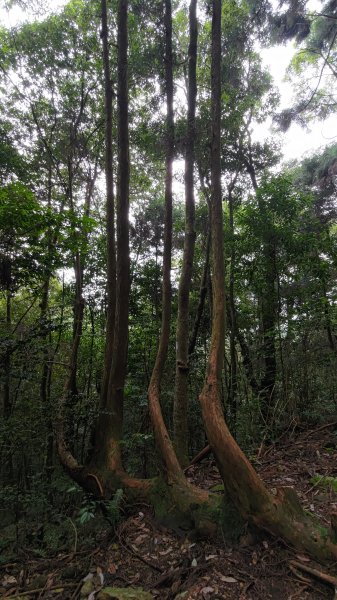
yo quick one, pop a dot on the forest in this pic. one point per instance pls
(168, 322)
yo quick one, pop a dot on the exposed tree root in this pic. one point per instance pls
(325, 577)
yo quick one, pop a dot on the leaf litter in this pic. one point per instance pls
(161, 564)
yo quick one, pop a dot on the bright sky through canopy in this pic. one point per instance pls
(296, 142)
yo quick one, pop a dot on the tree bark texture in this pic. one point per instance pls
(180, 409)
(113, 418)
(202, 295)
(110, 208)
(231, 309)
(162, 437)
(268, 304)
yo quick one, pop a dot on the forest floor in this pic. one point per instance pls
(146, 556)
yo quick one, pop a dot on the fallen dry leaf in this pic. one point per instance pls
(206, 591)
(303, 558)
(228, 579)
(112, 568)
(8, 580)
(140, 539)
(164, 552)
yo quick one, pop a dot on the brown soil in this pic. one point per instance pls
(149, 556)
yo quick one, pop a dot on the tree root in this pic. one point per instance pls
(325, 577)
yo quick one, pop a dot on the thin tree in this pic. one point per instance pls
(161, 435)
(111, 419)
(110, 208)
(180, 410)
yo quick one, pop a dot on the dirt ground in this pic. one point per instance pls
(145, 555)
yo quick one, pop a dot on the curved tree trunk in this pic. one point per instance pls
(281, 514)
(180, 408)
(161, 434)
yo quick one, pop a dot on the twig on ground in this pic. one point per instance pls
(132, 551)
(325, 577)
(75, 536)
(77, 590)
(170, 576)
(309, 433)
(38, 590)
(299, 575)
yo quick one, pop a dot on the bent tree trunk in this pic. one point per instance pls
(180, 408)
(281, 514)
(172, 497)
(162, 437)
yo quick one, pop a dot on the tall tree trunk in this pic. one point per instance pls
(79, 303)
(211, 393)
(328, 324)
(163, 441)
(180, 409)
(110, 423)
(7, 404)
(269, 325)
(268, 305)
(246, 357)
(233, 327)
(110, 209)
(202, 295)
(78, 308)
(281, 514)
(44, 303)
(239, 477)
(45, 363)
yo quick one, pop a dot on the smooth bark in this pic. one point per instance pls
(202, 295)
(231, 309)
(180, 408)
(110, 208)
(163, 441)
(111, 419)
(268, 307)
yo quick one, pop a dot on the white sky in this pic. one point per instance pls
(296, 142)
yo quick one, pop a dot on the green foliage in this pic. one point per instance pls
(325, 482)
(87, 512)
(114, 508)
